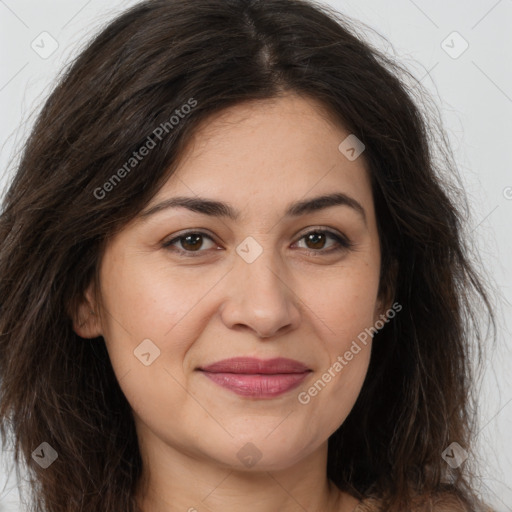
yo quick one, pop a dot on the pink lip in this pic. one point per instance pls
(257, 378)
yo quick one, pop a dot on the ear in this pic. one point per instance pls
(85, 315)
(387, 292)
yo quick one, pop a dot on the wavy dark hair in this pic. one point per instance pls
(419, 393)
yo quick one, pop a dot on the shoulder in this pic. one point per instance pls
(445, 502)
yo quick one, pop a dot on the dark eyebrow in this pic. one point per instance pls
(219, 209)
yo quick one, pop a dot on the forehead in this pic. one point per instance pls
(269, 152)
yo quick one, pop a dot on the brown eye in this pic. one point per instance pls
(190, 242)
(316, 241)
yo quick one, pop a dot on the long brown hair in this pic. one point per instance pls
(64, 202)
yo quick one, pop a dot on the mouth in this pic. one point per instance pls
(257, 378)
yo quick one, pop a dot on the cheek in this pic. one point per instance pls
(147, 301)
(345, 301)
(345, 309)
(346, 315)
(147, 334)
(329, 399)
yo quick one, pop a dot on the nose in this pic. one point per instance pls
(260, 298)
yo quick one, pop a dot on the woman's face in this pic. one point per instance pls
(262, 284)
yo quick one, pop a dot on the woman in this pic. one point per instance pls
(233, 276)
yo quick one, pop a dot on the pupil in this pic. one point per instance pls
(316, 238)
(197, 243)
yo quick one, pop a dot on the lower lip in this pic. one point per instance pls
(257, 385)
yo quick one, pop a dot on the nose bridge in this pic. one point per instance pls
(260, 298)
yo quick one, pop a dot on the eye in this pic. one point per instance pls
(191, 242)
(315, 241)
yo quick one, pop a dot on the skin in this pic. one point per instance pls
(259, 157)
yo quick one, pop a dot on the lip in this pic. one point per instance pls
(253, 365)
(257, 378)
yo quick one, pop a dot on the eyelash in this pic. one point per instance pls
(344, 243)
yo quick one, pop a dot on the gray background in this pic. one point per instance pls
(473, 91)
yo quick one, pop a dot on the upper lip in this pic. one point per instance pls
(252, 365)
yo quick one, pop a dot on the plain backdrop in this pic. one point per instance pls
(468, 73)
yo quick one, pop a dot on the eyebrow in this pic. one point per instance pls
(220, 209)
